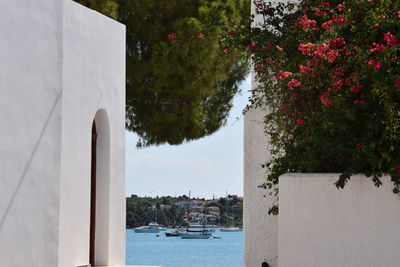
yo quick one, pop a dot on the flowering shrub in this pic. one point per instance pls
(329, 73)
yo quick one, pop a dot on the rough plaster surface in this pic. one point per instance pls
(260, 229)
(30, 131)
(94, 82)
(320, 225)
(61, 66)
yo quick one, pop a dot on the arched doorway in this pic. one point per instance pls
(100, 190)
(92, 244)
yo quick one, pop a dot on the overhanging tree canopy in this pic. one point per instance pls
(107, 7)
(180, 80)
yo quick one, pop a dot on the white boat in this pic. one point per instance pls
(162, 228)
(230, 229)
(196, 235)
(175, 233)
(153, 227)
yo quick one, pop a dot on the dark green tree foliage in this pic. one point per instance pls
(180, 88)
(106, 7)
(141, 210)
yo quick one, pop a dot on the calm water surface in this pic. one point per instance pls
(147, 249)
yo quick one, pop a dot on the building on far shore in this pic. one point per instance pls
(186, 204)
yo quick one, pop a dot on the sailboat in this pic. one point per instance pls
(202, 234)
(152, 227)
(230, 229)
(196, 234)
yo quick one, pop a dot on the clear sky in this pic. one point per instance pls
(211, 165)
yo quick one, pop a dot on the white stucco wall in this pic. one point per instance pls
(30, 131)
(93, 80)
(320, 225)
(260, 229)
(60, 63)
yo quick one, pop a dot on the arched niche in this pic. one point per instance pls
(100, 190)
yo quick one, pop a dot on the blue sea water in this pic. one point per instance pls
(148, 249)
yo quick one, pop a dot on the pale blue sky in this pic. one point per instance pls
(212, 165)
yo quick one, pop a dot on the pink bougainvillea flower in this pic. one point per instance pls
(378, 47)
(267, 46)
(306, 49)
(349, 80)
(172, 35)
(200, 36)
(305, 22)
(393, 59)
(340, 7)
(258, 5)
(325, 4)
(328, 25)
(283, 75)
(231, 32)
(282, 107)
(304, 69)
(375, 26)
(268, 60)
(300, 121)
(251, 46)
(339, 20)
(279, 48)
(319, 13)
(390, 39)
(338, 84)
(356, 89)
(315, 61)
(321, 50)
(375, 64)
(293, 83)
(398, 14)
(397, 167)
(339, 71)
(226, 50)
(293, 96)
(332, 55)
(347, 52)
(359, 102)
(326, 101)
(361, 145)
(397, 83)
(337, 43)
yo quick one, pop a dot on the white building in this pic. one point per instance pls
(318, 225)
(186, 204)
(62, 110)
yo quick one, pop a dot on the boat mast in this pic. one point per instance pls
(228, 207)
(188, 211)
(155, 215)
